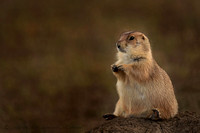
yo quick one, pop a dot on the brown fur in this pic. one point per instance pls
(142, 85)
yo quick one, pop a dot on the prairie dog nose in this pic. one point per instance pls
(118, 46)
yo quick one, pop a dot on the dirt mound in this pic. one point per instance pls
(182, 123)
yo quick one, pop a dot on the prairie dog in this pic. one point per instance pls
(144, 88)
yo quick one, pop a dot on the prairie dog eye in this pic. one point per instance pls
(131, 38)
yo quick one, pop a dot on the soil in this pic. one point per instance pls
(184, 122)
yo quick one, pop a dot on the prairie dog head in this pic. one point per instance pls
(134, 45)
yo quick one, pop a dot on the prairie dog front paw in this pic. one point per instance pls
(116, 68)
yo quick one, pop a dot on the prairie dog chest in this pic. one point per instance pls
(131, 92)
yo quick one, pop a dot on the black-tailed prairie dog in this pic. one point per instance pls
(144, 88)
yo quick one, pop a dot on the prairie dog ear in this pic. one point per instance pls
(143, 37)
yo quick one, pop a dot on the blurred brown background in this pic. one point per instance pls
(55, 58)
